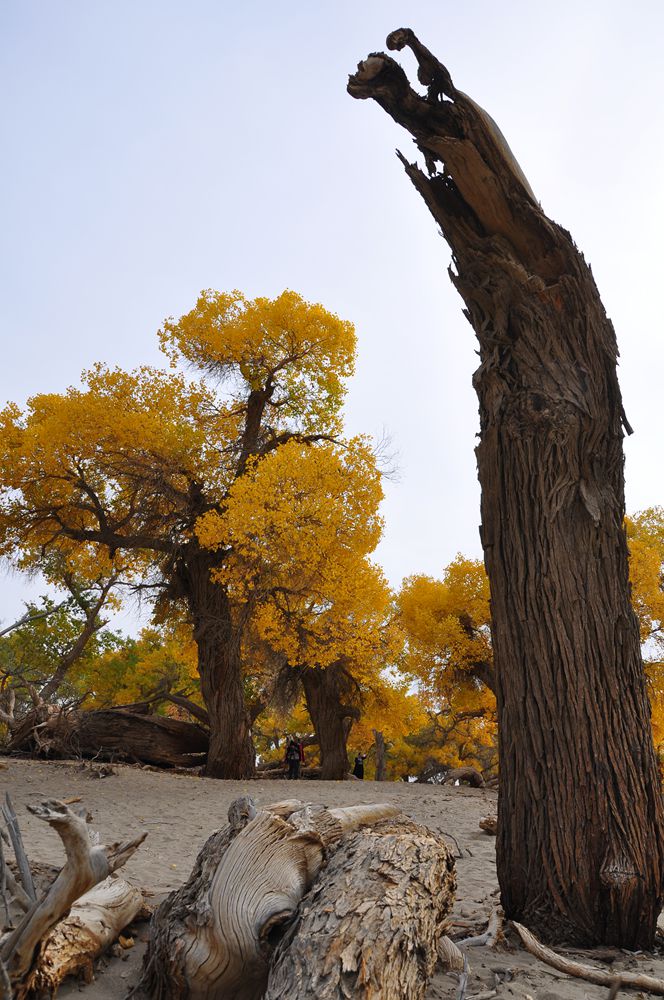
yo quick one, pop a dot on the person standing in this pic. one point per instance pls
(294, 756)
(358, 769)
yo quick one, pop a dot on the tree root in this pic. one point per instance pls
(615, 981)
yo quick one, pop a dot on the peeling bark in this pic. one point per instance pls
(579, 850)
(371, 925)
(216, 935)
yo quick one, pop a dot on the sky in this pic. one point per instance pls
(153, 149)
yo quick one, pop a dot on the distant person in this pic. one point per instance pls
(294, 757)
(358, 769)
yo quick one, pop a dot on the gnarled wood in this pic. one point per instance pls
(580, 847)
(216, 934)
(86, 865)
(371, 924)
(468, 775)
(92, 925)
(615, 980)
(112, 733)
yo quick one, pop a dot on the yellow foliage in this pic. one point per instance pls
(139, 668)
(447, 624)
(298, 527)
(301, 351)
(645, 535)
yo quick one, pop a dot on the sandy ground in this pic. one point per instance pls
(180, 812)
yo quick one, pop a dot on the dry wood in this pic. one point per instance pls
(370, 926)
(112, 733)
(14, 830)
(450, 956)
(489, 824)
(616, 980)
(580, 843)
(493, 934)
(92, 925)
(86, 865)
(215, 935)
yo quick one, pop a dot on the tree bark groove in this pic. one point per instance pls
(579, 849)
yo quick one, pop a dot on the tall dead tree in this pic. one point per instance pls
(580, 852)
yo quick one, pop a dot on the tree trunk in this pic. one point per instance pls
(218, 639)
(91, 926)
(381, 758)
(325, 690)
(111, 734)
(216, 935)
(579, 851)
(371, 924)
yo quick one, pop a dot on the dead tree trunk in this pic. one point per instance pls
(86, 866)
(328, 693)
(91, 926)
(215, 936)
(381, 757)
(344, 942)
(111, 733)
(580, 852)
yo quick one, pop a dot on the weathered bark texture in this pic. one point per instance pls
(330, 693)
(216, 935)
(111, 733)
(92, 925)
(580, 853)
(86, 866)
(218, 638)
(370, 926)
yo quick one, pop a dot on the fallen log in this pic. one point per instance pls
(371, 925)
(118, 734)
(92, 925)
(215, 936)
(86, 866)
(467, 775)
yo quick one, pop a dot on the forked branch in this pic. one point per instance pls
(86, 865)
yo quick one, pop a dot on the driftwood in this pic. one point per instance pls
(493, 935)
(92, 925)
(86, 866)
(111, 733)
(614, 980)
(490, 825)
(215, 936)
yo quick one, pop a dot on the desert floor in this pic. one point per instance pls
(180, 812)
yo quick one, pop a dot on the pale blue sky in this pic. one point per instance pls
(152, 149)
